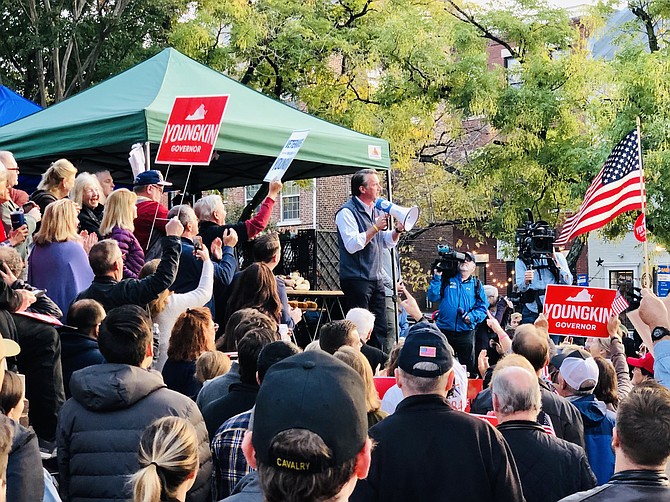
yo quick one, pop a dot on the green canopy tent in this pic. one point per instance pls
(97, 128)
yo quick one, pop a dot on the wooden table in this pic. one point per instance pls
(329, 302)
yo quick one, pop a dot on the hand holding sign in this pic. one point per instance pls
(286, 156)
(274, 189)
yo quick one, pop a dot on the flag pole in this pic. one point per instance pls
(643, 198)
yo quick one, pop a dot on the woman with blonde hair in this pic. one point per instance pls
(57, 181)
(87, 193)
(59, 259)
(211, 364)
(117, 223)
(165, 309)
(168, 459)
(359, 362)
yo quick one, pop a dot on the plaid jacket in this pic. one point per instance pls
(229, 464)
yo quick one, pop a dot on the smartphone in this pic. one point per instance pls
(18, 219)
(39, 292)
(28, 206)
(197, 243)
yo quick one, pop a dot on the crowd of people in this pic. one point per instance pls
(157, 371)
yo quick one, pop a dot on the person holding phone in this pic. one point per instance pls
(20, 239)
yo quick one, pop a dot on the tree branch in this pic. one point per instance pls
(486, 33)
(648, 23)
(353, 15)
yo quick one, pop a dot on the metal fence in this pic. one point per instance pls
(313, 253)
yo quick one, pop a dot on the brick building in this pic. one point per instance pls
(310, 205)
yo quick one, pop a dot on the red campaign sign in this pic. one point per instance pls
(192, 130)
(576, 310)
(640, 229)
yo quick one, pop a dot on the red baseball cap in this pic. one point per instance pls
(646, 362)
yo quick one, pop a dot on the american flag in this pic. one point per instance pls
(615, 190)
(619, 304)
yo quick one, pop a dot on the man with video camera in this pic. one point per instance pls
(537, 266)
(463, 303)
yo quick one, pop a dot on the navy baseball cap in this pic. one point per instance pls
(425, 343)
(152, 177)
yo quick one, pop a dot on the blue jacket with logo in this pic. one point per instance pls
(466, 295)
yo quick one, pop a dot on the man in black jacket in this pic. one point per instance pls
(111, 290)
(550, 468)
(211, 215)
(428, 451)
(533, 344)
(641, 443)
(80, 345)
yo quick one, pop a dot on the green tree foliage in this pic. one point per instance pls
(52, 49)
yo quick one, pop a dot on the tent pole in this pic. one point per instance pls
(147, 153)
(394, 258)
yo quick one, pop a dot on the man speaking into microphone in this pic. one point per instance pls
(361, 235)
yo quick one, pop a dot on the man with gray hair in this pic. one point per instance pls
(427, 450)
(365, 323)
(550, 468)
(211, 214)
(190, 267)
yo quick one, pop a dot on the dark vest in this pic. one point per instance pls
(366, 263)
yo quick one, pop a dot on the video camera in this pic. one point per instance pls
(534, 239)
(448, 260)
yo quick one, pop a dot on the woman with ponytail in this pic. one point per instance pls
(168, 459)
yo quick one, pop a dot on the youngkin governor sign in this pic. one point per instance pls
(191, 130)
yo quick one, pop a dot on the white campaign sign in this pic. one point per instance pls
(288, 153)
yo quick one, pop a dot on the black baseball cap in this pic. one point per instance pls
(317, 392)
(425, 343)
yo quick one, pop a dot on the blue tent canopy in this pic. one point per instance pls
(14, 107)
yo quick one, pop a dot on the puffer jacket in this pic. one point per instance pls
(25, 481)
(133, 256)
(598, 426)
(100, 427)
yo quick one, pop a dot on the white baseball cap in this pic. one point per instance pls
(577, 368)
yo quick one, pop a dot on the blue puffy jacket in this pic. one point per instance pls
(465, 295)
(598, 426)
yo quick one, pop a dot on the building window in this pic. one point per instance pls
(249, 192)
(290, 202)
(513, 68)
